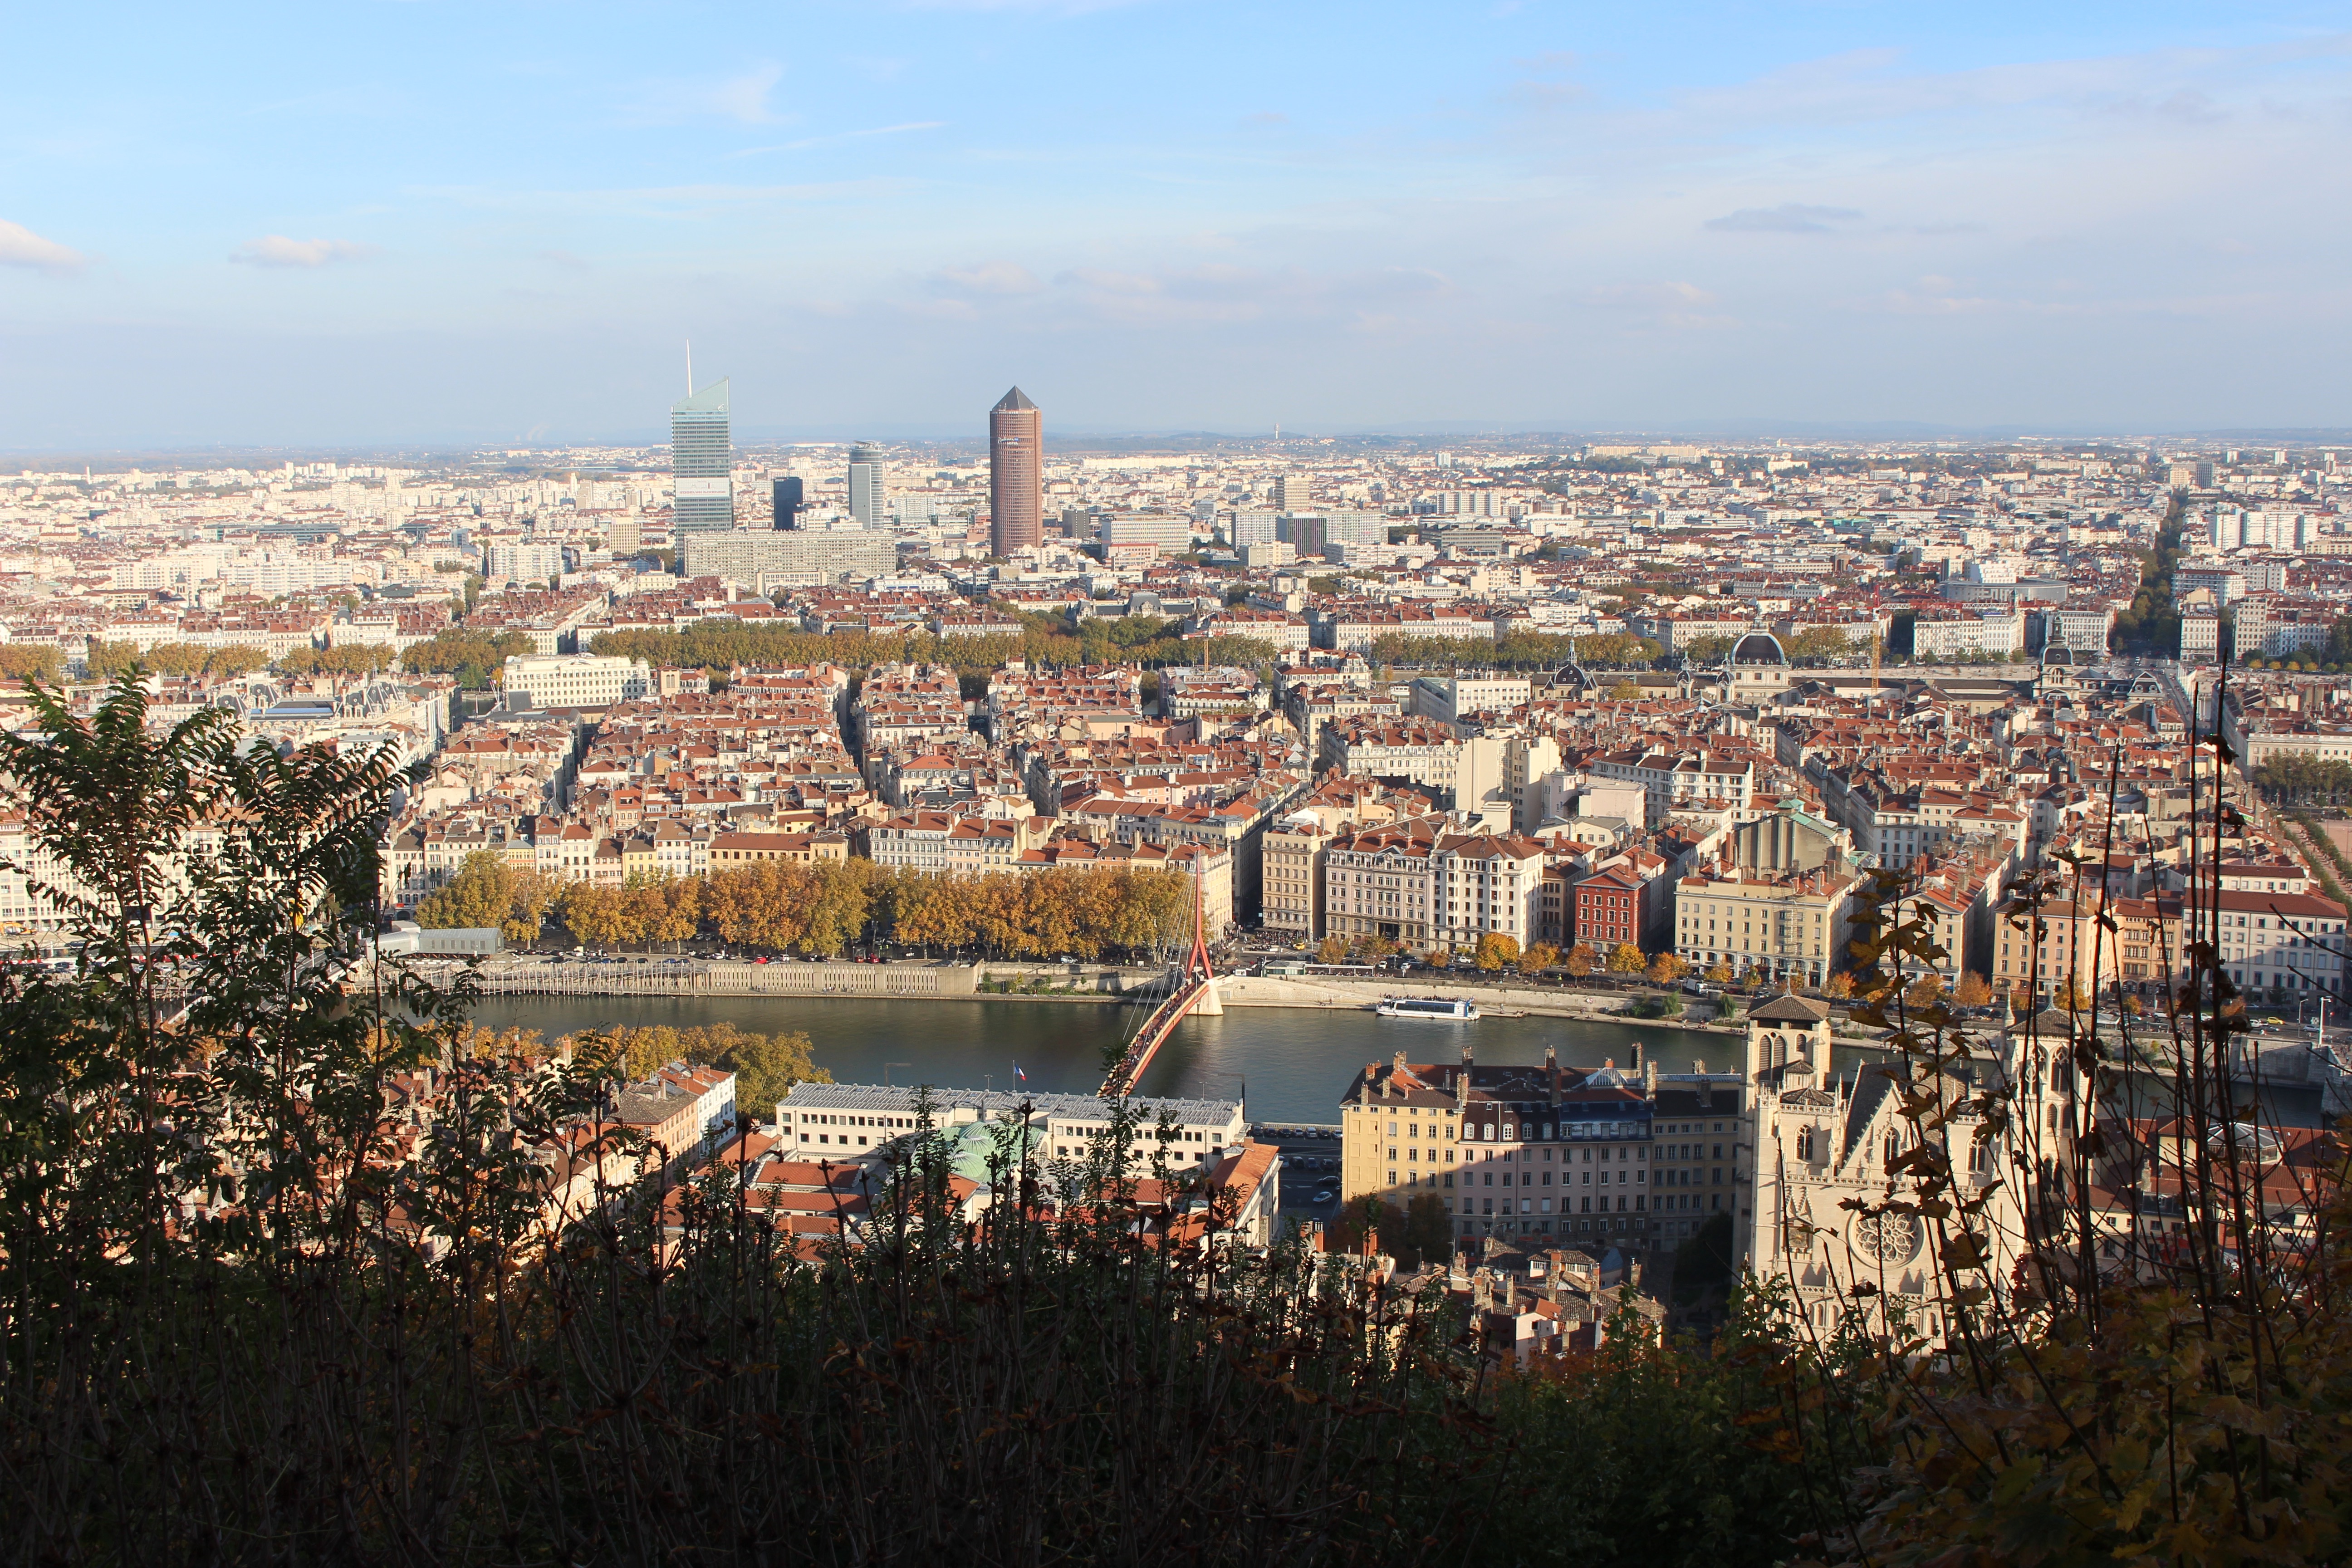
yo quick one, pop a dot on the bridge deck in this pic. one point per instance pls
(1149, 1038)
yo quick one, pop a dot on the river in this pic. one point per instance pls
(1290, 1064)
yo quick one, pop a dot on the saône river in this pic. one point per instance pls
(1291, 1064)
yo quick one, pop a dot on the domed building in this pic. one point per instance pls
(1756, 669)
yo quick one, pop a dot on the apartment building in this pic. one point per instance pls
(1484, 883)
(1421, 749)
(1578, 1153)
(1290, 858)
(1782, 924)
(1379, 881)
(1685, 781)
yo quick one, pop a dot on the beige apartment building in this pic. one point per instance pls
(1290, 906)
(1783, 923)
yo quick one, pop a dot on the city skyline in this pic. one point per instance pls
(1533, 216)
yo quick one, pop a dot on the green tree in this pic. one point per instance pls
(767, 1066)
(1428, 1229)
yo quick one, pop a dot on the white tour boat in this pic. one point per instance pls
(1443, 1009)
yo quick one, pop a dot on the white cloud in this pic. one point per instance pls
(277, 251)
(20, 247)
(987, 278)
(1789, 217)
(742, 97)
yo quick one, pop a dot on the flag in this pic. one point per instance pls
(1018, 1075)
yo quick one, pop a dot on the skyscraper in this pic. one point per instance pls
(1016, 475)
(1290, 493)
(865, 485)
(701, 460)
(788, 501)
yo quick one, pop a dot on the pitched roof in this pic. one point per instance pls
(1791, 1010)
(1014, 401)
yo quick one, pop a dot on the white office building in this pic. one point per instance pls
(575, 681)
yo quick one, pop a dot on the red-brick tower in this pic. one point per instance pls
(1016, 474)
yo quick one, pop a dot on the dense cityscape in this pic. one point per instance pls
(1649, 712)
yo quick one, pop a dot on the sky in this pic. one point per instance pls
(379, 222)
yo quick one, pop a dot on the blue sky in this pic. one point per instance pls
(382, 222)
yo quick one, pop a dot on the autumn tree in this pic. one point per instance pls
(1924, 991)
(1579, 961)
(530, 895)
(479, 896)
(596, 915)
(1839, 985)
(1626, 959)
(42, 661)
(1331, 949)
(1497, 952)
(1668, 968)
(1973, 991)
(1539, 958)
(343, 659)
(1719, 972)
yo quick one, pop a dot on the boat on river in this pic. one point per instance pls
(1440, 1010)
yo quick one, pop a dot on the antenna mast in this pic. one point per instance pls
(690, 367)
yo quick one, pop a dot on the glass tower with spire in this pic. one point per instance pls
(701, 461)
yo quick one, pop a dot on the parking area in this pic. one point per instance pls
(1310, 1168)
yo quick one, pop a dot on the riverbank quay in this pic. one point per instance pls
(1615, 1007)
(909, 981)
(918, 981)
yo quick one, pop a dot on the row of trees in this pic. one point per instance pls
(110, 660)
(1043, 640)
(1496, 953)
(1517, 650)
(2298, 778)
(344, 659)
(38, 661)
(820, 909)
(1811, 645)
(474, 657)
(2151, 621)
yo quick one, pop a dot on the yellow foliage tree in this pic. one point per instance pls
(1626, 959)
(479, 896)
